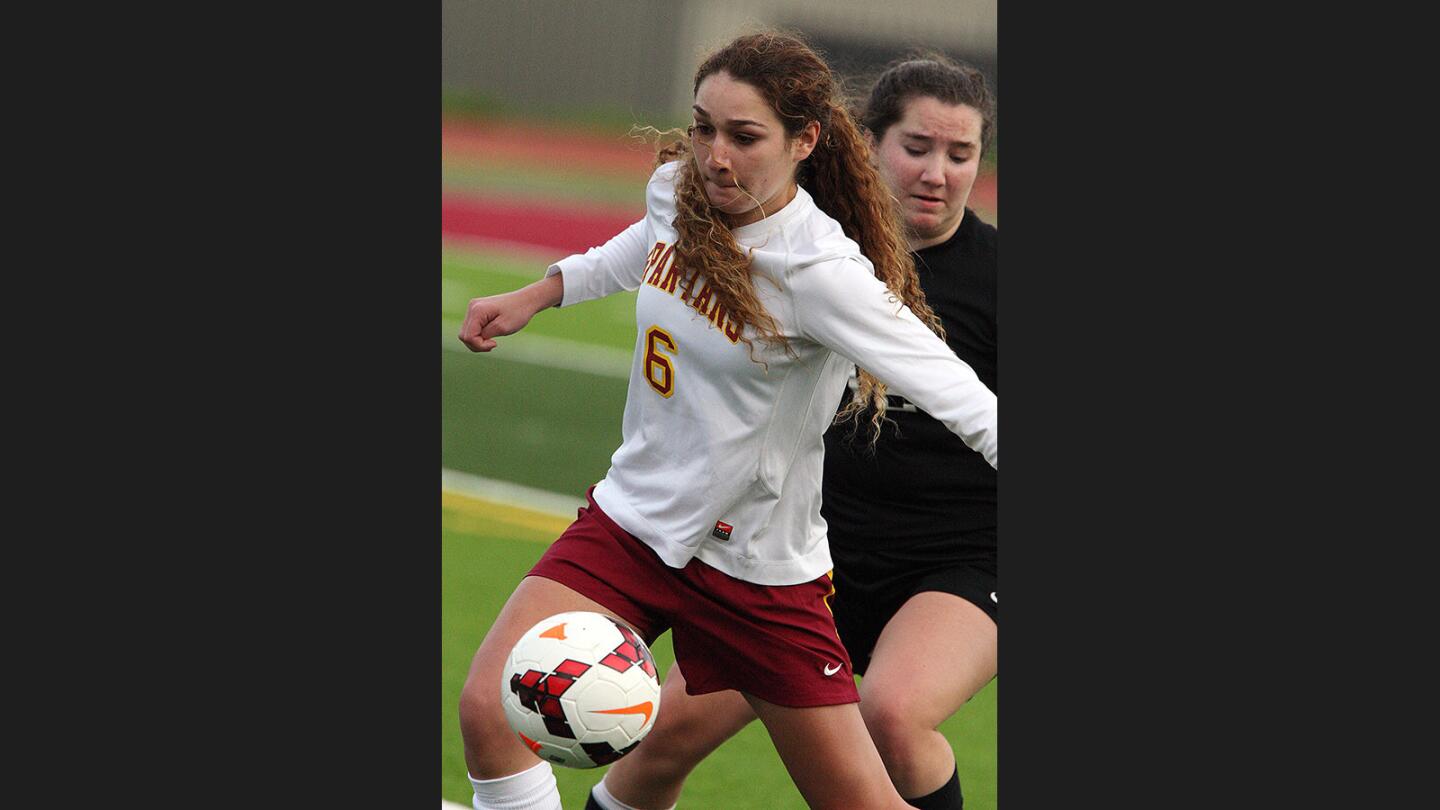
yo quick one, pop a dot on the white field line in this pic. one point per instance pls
(540, 350)
(504, 492)
(444, 805)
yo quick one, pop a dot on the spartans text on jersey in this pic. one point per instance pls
(662, 274)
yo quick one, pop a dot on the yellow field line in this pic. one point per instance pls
(472, 514)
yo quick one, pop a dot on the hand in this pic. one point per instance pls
(505, 314)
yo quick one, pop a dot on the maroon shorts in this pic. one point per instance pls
(776, 642)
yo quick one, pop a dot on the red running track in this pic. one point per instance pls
(615, 155)
(570, 229)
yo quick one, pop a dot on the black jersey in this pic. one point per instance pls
(922, 484)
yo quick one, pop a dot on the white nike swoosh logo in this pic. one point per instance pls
(993, 599)
(829, 671)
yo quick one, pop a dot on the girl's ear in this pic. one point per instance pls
(805, 141)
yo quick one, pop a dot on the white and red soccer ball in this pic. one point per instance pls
(580, 689)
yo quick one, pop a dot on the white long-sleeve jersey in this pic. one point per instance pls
(721, 456)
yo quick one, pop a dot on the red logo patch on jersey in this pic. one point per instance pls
(722, 530)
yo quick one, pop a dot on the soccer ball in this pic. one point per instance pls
(580, 689)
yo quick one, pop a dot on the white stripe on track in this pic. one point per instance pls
(541, 350)
(471, 250)
(490, 489)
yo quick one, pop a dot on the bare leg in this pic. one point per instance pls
(829, 755)
(686, 731)
(934, 655)
(492, 750)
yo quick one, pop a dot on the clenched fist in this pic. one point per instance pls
(505, 314)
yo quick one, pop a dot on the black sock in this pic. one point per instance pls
(590, 803)
(946, 798)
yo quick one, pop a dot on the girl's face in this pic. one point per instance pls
(930, 158)
(740, 144)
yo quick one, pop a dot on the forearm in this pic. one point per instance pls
(545, 293)
(498, 315)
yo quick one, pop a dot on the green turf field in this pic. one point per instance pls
(485, 552)
(483, 559)
(525, 182)
(544, 411)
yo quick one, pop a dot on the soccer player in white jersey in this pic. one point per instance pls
(769, 260)
(912, 520)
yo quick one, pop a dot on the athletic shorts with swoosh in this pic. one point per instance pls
(777, 643)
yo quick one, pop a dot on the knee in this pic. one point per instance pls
(671, 751)
(690, 729)
(654, 773)
(895, 723)
(481, 717)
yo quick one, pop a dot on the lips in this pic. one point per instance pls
(720, 194)
(926, 201)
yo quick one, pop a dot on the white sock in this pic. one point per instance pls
(607, 801)
(531, 789)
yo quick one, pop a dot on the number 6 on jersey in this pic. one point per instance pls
(659, 371)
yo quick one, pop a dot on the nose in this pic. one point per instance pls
(718, 158)
(933, 173)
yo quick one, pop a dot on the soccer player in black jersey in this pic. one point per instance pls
(911, 518)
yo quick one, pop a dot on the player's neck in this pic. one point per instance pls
(782, 198)
(918, 242)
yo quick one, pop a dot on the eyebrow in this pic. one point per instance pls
(916, 136)
(733, 121)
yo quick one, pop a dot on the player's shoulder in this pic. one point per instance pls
(816, 237)
(660, 190)
(830, 276)
(981, 238)
(664, 174)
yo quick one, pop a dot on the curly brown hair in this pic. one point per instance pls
(839, 175)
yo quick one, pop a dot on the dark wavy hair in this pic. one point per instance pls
(928, 73)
